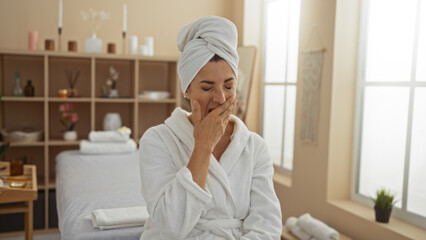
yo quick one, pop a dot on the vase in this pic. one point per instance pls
(113, 93)
(70, 135)
(72, 92)
(93, 44)
(17, 89)
(112, 121)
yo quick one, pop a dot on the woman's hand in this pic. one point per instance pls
(207, 133)
(209, 130)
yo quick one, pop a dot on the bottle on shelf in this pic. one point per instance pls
(17, 90)
(29, 89)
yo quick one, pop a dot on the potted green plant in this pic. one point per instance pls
(383, 204)
(3, 148)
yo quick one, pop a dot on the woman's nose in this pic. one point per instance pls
(219, 96)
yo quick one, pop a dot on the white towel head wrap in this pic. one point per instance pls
(199, 41)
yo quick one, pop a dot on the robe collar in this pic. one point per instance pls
(180, 125)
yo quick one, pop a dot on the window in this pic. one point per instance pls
(280, 78)
(390, 129)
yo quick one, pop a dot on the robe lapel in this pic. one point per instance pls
(180, 125)
(238, 142)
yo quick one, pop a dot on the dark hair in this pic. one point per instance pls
(216, 58)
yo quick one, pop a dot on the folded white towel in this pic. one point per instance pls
(107, 147)
(316, 228)
(119, 217)
(120, 135)
(291, 224)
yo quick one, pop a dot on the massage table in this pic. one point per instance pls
(87, 182)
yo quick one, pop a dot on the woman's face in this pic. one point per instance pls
(212, 86)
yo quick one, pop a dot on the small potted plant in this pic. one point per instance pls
(68, 118)
(383, 204)
(3, 149)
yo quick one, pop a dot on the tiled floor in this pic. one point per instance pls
(52, 236)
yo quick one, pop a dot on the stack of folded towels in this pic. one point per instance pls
(108, 142)
(309, 228)
(119, 217)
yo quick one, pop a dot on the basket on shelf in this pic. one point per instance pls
(24, 135)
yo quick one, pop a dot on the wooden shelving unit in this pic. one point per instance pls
(47, 71)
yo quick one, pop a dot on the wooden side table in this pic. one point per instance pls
(27, 195)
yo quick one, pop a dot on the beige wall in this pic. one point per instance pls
(160, 18)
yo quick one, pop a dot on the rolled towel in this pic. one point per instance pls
(317, 228)
(291, 224)
(120, 135)
(119, 217)
(108, 147)
(199, 41)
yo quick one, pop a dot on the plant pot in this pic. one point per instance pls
(70, 135)
(113, 93)
(112, 121)
(72, 92)
(382, 215)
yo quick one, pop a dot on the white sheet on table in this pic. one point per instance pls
(88, 182)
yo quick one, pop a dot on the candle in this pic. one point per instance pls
(33, 40)
(133, 44)
(149, 42)
(60, 14)
(124, 18)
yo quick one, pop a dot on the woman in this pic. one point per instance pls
(204, 175)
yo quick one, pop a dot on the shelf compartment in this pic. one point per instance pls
(19, 115)
(82, 127)
(29, 67)
(53, 214)
(157, 76)
(157, 114)
(58, 79)
(126, 111)
(125, 83)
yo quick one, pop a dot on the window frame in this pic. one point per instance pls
(361, 84)
(279, 168)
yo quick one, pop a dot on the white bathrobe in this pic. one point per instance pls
(239, 201)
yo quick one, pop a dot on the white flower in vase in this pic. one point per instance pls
(112, 81)
(94, 44)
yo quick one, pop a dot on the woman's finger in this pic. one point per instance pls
(220, 109)
(229, 109)
(196, 112)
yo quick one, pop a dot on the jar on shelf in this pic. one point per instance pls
(29, 89)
